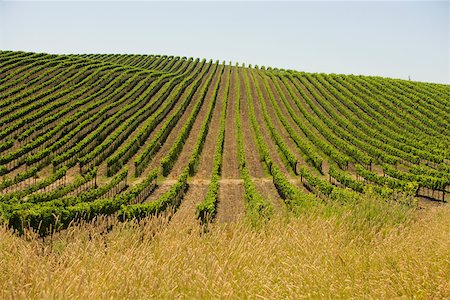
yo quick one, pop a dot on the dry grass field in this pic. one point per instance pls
(360, 251)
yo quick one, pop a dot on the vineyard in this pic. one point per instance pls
(130, 136)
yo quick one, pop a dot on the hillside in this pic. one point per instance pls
(133, 135)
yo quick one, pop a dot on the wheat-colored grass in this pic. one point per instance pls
(369, 250)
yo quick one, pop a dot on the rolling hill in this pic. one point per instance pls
(134, 135)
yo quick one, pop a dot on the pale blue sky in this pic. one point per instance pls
(393, 39)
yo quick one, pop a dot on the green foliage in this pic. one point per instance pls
(64, 110)
(340, 176)
(207, 209)
(58, 214)
(171, 198)
(169, 160)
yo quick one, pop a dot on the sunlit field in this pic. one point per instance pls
(365, 250)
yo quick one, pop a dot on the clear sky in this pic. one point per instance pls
(393, 39)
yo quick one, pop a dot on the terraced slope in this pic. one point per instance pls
(134, 135)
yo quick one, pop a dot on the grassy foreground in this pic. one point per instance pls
(371, 249)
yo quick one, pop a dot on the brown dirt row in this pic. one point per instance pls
(151, 64)
(351, 169)
(376, 168)
(230, 206)
(317, 104)
(336, 110)
(277, 123)
(169, 65)
(191, 141)
(275, 154)
(48, 171)
(155, 162)
(251, 152)
(174, 69)
(159, 65)
(252, 157)
(24, 78)
(19, 144)
(132, 97)
(4, 124)
(294, 105)
(230, 164)
(297, 111)
(102, 167)
(124, 61)
(186, 212)
(206, 163)
(71, 75)
(267, 189)
(130, 163)
(231, 203)
(306, 91)
(6, 64)
(284, 134)
(23, 70)
(160, 189)
(295, 108)
(96, 86)
(70, 177)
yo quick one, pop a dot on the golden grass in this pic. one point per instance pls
(318, 255)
